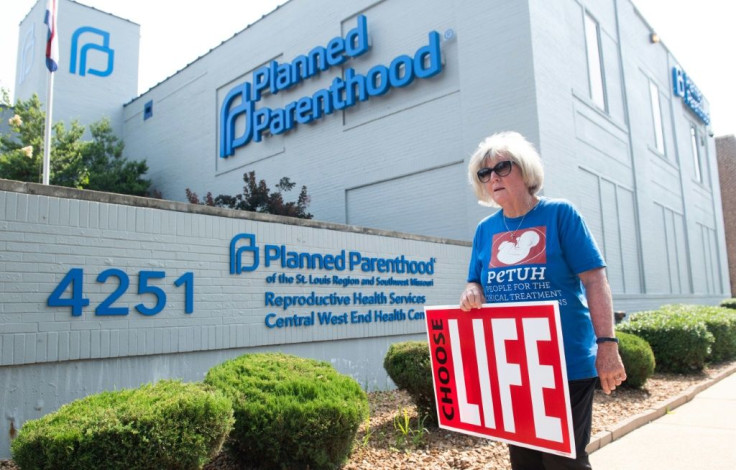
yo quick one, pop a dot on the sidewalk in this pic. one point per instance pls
(700, 434)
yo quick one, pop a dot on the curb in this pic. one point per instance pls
(620, 429)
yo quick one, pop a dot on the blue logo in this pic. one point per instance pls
(228, 116)
(690, 94)
(81, 49)
(241, 121)
(236, 255)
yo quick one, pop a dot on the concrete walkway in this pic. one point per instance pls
(700, 434)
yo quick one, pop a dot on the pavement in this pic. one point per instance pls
(696, 430)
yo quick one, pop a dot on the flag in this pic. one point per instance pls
(52, 41)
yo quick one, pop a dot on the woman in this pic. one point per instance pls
(550, 237)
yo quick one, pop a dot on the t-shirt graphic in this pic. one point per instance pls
(527, 248)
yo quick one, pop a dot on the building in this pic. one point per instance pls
(376, 107)
(98, 66)
(726, 153)
(621, 128)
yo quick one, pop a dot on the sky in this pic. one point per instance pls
(699, 34)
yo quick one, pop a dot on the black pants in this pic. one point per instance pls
(581, 401)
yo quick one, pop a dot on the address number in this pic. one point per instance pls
(74, 281)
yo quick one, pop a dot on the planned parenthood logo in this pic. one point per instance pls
(238, 252)
(88, 39)
(242, 121)
(245, 256)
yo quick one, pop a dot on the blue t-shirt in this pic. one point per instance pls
(539, 258)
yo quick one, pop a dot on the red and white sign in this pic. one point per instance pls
(499, 372)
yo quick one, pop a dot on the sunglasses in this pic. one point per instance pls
(501, 169)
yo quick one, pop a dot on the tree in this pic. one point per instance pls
(108, 170)
(257, 197)
(97, 164)
(21, 151)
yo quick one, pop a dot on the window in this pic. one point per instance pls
(595, 70)
(656, 117)
(148, 110)
(698, 172)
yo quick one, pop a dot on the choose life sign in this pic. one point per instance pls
(499, 372)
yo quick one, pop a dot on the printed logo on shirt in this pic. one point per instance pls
(529, 247)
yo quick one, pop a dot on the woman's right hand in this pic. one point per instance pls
(472, 297)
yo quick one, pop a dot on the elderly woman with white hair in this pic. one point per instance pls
(550, 236)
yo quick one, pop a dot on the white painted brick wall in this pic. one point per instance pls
(47, 231)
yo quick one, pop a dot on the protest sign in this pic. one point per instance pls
(499, 372)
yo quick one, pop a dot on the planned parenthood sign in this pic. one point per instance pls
(499, 372)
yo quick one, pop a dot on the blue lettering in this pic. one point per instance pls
(354, 85)
(377, 81)
(304, 110)
(299, 68)
(317, 60)
(260, 82)
(283, 77)
(321, 103)
(337, 87)
(334, 51)
(356, 41)
(272, 321)
(686, 89)
(277, 124)
(427, 60)
(260, 122)
(341, 94)
(416, 314)
(272, 253)
(400, 73)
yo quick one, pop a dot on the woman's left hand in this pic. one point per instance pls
(608, 363)
(610, 367)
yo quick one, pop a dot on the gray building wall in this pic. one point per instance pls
(95, 78)
(661, 230)
(399, 161)
(49, 355)
(726, 153)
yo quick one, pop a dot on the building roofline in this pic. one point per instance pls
(207, 53)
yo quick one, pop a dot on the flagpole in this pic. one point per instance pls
(52, 63)
(47, 133)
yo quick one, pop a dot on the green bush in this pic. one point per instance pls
(169, 425)
(680, 340)
(729, 303)
(290, 412)
(721, 322)
(409, 366)
(638, 359)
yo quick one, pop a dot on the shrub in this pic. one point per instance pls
(721, 322)
(409, 366)
(638, 359)
(729, 303)
(290, 412)
(169, 425)
(680, 340)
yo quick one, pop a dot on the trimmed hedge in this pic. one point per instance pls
(721, 322)
(637, 357)
(679, 339)
(409, 366)
(290, 412)
(168, 425)
(729, 303)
